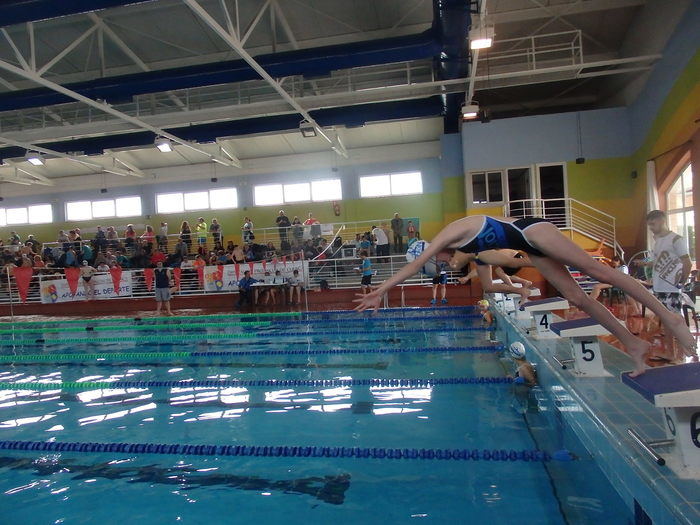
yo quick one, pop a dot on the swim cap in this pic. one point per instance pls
(483, 302)
(517, 350)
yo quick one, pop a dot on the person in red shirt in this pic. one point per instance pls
(157, 257)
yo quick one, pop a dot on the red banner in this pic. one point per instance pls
(148, 276)
(284, 261)
(274, 262)
(264, 264)
(238, 272)
(177, 273)
(23, 276)
(251, 266)
(72, 276)
(200, 275)
(116, 273)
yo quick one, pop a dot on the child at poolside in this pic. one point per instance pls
(486, 315)
(440, 280)
(366, 269)
(524, 371)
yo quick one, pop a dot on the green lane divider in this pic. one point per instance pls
(154, 320)
(135, 339)
(90, 357)
(62, 329)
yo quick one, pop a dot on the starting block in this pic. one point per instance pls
(676, 391)
(541, 310)
(588, 360)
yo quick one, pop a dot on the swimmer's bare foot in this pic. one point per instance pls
(637, 353)
(682, 333)
(524, 295)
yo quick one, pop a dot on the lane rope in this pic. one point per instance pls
(456, 454)
(178, 338)
(168, 320)
(225, 324)
(226, 383)
(253, 353)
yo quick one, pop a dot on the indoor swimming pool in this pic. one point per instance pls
(406, 415)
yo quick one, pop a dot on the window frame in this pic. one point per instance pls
(91, 204)
(310, 185)
(682, 211)
(505, 188)
(391, 193)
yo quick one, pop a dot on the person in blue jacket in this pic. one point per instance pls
(245, 290)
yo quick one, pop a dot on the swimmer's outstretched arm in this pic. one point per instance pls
(451, 234)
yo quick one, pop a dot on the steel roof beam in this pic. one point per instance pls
(237, 46)
(30, 75)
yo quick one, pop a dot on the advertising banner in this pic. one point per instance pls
(223, 278)
(58, 291)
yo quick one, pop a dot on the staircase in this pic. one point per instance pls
(587, 226)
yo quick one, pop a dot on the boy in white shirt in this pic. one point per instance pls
(670, 270)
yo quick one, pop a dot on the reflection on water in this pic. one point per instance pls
(329, 489)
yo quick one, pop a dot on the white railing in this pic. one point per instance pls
(570, 215)
(342, 273)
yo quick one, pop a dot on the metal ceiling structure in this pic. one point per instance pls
(88, 83)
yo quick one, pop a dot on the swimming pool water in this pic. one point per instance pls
(73, 487)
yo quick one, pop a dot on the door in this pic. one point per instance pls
(520, 193)
(551, 188)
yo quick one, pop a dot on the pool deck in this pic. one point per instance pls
(601, 410)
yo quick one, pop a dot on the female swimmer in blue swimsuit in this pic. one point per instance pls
(549, 251)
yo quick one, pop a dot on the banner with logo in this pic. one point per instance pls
(223, 278)
(58, 291)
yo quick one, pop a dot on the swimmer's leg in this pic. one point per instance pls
(484, 272)
(557, 274)
(552, 243)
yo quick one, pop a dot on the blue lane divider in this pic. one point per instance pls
(400, 309)
(383, 331)
(457, 454)
(474, 349)
(373, 319)
(219, 383)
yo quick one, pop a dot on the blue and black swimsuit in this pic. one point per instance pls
(495, 234)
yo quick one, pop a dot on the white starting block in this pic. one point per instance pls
(541, 310)
(588, 360)
(675, 390)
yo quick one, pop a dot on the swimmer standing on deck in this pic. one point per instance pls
(550, 252)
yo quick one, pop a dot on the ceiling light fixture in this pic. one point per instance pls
(165, 145)
(307, 129)
(470, 111)
(481, 37)
(34, 158)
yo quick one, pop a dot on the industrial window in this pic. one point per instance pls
(410, 183)
(103, 209)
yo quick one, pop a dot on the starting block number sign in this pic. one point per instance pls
(683, 426)
(542, 321)
(588, 360)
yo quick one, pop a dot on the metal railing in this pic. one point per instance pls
(343, 273)
(570, 215)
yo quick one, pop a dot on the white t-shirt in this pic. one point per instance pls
(380, 236)
(668, 268)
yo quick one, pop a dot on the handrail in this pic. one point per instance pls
(570, 214)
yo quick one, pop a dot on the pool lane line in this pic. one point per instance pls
(107, 328)
(166, 320)
(225, 324)
(455, 454)
(178, 338)
(56, 358)
(274, 383)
